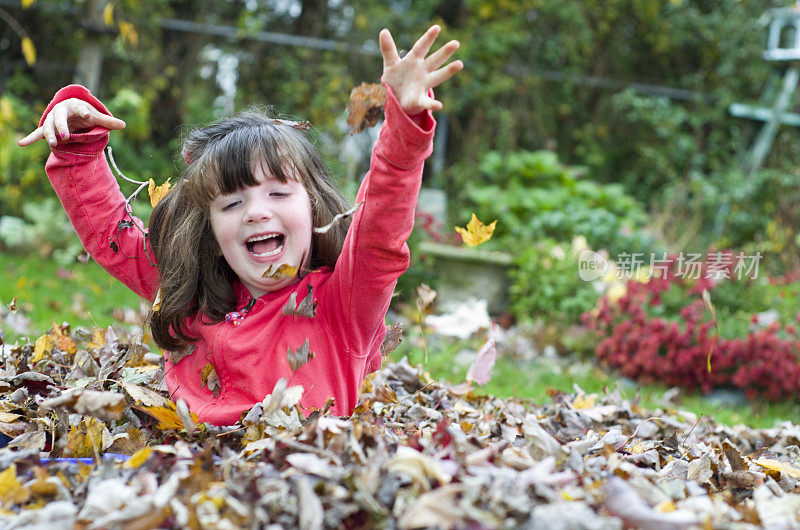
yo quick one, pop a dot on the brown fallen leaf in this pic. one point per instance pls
(144, 396)
(300, 356)
(365, 107)
(210, 380)
(100, 404)
(393, 338)
(425, 297)
(307, 307)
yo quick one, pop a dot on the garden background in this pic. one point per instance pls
(601, 125)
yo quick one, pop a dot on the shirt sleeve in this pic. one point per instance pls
(375, 251)
(82, 179)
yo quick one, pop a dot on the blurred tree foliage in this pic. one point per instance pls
(552, 74)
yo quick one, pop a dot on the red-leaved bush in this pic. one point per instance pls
(651, 348)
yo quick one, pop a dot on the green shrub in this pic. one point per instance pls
(44, 230)
(546, 283)
(22, 176)
(534, 196)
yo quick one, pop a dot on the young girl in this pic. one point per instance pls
(248, 289)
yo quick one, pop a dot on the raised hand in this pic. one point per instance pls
(412, 76)
(67, 117)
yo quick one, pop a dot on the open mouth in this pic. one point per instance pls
(266, 245)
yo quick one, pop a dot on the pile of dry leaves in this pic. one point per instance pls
(416, 453)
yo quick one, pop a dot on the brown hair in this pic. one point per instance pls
(194, 276)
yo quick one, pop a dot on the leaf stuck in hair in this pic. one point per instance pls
(157, 192)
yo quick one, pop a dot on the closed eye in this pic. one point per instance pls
(229, 206)
(279, 194)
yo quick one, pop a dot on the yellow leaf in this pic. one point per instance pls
(128, 33)
(157, 192)
(28, 51)
(168, 416)
(11, 491)
(777, 465)
(42, 346)
(665, 507)
(108, 14)
(27, 3)
(98, 339)
(281, 271)
(584, 402)
(476, 232)
(157, 301)
(138, 458)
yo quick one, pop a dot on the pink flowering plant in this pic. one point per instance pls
(742, 335)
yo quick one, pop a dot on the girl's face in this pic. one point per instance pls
(263, 225)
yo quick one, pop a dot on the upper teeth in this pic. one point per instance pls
(272, 252)
(261, 238)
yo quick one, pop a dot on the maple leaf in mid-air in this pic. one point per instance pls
(476, 232)
(307, 307)
(301, 356)
(366, 106)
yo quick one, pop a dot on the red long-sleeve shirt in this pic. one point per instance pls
(249, 358)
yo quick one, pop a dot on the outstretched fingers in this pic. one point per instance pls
(443, 74)
(442, 55)
(388, 49)
(424, 43)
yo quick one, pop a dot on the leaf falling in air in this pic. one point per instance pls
(210, 380)
(480, 371)
(108, 14)
(307, 307)
(27, 3)
(365, 107)
(28, 51)
(128, 33)
(157, 192)
(12, 305)
(337, 218)
(712, 310)
(425, 297)
(301, 356)
(278, 272)
(393, 338)
(476, 232)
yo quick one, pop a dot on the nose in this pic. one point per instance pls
(257, 210)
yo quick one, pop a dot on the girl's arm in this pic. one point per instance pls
(76, 126)
(375, 253)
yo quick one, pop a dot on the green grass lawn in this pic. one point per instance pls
(82, 294)
(531, 378)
